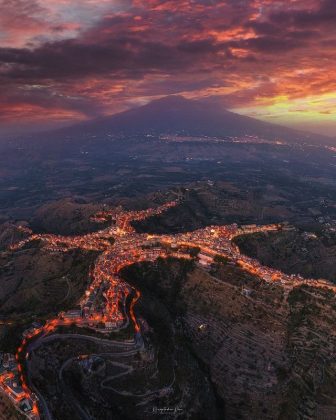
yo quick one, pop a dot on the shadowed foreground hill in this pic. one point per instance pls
(268, 353)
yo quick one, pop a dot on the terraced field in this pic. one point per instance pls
(268, 354)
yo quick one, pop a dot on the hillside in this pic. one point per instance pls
(294, 252)
(40, 281)
(66, 217)
(268, 354)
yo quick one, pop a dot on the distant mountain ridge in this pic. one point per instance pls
(178, 115)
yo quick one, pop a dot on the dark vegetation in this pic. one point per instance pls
(294, 252)
(39, 282)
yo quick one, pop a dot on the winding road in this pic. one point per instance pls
(128, 248)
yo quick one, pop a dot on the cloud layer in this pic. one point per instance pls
(76, 59)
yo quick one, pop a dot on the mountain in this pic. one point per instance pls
(169, 115)
(176, 114)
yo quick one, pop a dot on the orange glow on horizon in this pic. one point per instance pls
(248, 54)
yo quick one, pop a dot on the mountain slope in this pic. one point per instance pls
(175, 114)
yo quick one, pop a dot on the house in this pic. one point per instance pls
(73, 314)
(205, 259)
(14, 387)
(26, 405)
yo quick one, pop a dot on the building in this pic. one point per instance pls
(31, 331)
(73, 314)
(26, 405)
(14, 387)
(204, 259)
(8, 361)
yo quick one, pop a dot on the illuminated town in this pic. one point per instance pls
(103, 307)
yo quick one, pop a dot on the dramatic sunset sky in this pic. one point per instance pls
(69, 60)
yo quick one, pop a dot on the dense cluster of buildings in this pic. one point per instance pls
(11, 384)
(103, 307)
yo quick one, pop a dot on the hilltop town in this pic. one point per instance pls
(107, 310)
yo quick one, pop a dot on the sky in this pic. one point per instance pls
(63, 61)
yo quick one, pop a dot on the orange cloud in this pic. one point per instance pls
(79, 59)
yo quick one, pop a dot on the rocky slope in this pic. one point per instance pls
(267, 352)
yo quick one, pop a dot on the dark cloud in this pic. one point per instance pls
(126, 56)
(238, 50)
(323, 14)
